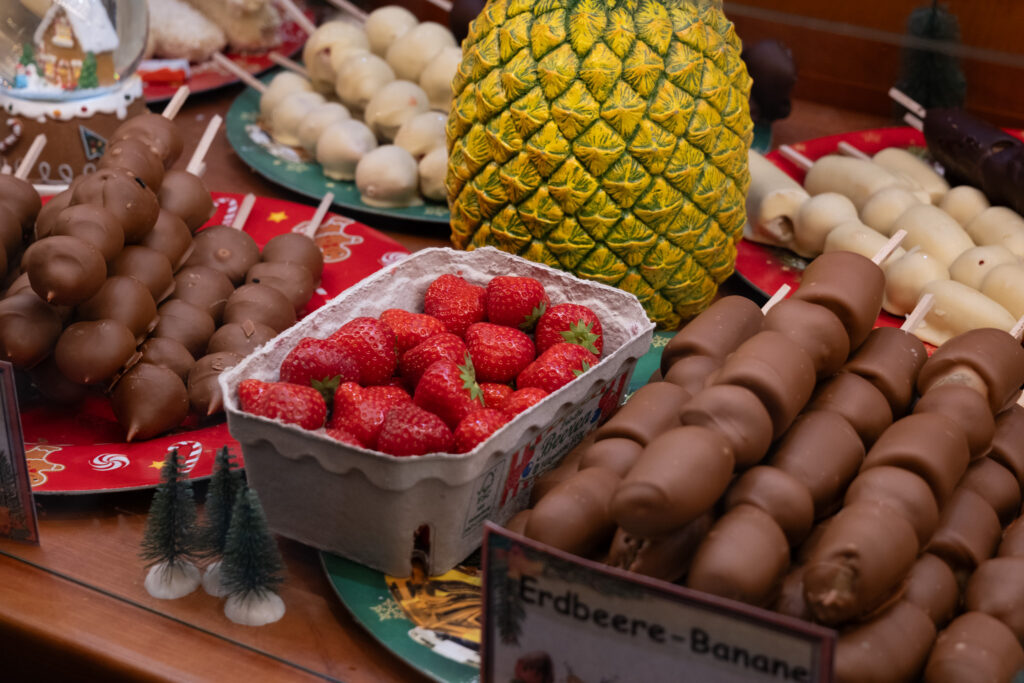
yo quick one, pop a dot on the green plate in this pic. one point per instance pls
(282, 165)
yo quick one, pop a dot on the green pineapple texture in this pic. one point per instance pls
(608, 138)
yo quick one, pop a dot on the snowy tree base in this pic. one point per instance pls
(169, 581)
(212, 583)
(254, 609)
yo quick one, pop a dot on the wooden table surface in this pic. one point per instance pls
(74, 607)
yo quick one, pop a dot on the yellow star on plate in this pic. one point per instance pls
(157, 464)
(277, 216)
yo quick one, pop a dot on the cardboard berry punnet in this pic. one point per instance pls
(379, 509)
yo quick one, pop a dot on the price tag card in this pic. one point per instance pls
(17, 510)
(550, 617)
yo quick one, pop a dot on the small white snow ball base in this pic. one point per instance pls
(170, 581)
(254, 609)
(212, 583)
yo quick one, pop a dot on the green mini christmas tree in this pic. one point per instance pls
(931, 78)
(28, 54)
(252, 565)
(87, 78)
(169, 539)
(225, 484)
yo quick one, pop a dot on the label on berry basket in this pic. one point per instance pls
(552, 616)
(17, 509)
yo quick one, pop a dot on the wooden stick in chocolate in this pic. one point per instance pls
(297, 15)
(347, 6)
(441, 4)
(318, 216)
(918, 314)
(34, 150)
(795, 157)
(174, 106)
(780, 294)
(289, 64)
(196, 162)
(889, 247)
(913, 122)
(239, 72)
(1018, 330)
(244, 209)
(905, 100)
(851, 151)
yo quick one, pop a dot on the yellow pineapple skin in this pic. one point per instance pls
(605, 138)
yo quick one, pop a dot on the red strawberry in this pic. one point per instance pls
(571, 323)
(339, 434)
(372, 344)
(449, 391)
(411, 430)
(516, 301)
(410, 328)
(521, 399)
(455, 302)
(361, 410)
(415, 361)
(499, 353)
(556, 367)
(495, 394)
(291, 403)
(319, 363)
(476, 427)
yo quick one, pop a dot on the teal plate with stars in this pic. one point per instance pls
(291, 168)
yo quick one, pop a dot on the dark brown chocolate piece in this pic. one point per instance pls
(93, 224)
(813, 328)
(292, 247)
(48, 214)
(29, 329)
(20, 284)
(204, 288)
(906, 493)
(185, 195)
(570, 464)
(666, 558)
(995, 356)
(148, 400)
(996, 485)
(737, 414)
(890, 359)
(64, 270)
(574, 515)
(891, 646)
(1012, 543)
(292, 280)
(168, 353)
(54, 386)
(11, 234)
(93, 351)
(997, 588)
(159, 133)
(716, 332)
(780, 495)
(260, 304)
(149, 267)
(231, 251)
(858, 401)
(968, 532)
(791, 596)
(185, 323)
(652, 410)
(22, 199)
(171, 237)
(771, 66)
(932, 586)
(242, 338)
(118, 191)
(204, 392)
(1002, 176)
(975, 647)
(849, 285)
(517, 524)
(136, 156)
(124, 299)
(615, 454)
(1008, 441)
(692, 372)
(967, 408)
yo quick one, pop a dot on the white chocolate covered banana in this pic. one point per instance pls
(900, 161)
(957, 308)
(964, 203)
(935, 231)
(973, 265)
(999, 225)
(1004, 284)
(858, 179)
(856, 237)
(773, 201)
(816, 219)
(906, 276)
(882, 209)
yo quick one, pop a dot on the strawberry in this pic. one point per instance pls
(495, 394)
(571, 323)
(291, 403)
(477, 427)
(455, 302)
(339, 434)
(521, 399)
(360, 410)
(556, 367)
(516, 301)
(415, 361)
(411, 430)
(372, 344)
(319, 363)
(499, 353)
(410, 328)
(449, 391)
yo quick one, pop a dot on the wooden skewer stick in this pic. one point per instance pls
(238, 71)
(350, 8)
(172, 108)
(889, 247)
(281, 60)
(795, 157)
(851, 151)
(913, 121)
(918, 314)
(318, 216)
(778, 296)
(29, 162)
(196, 162)
(49, 190)
(1017, 332)
(902, 98)
(442, 4)
(292, 10)
(244, 209)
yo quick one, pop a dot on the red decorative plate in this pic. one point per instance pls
(82, 450)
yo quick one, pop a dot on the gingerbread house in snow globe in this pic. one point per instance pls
(73, 45)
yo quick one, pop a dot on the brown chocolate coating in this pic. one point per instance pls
(890, 359)
(260, 304)
(185, 323)
(1008, 441)
(974, 647)
(185, 195)
(716, 332)
(93, 224)
(799, 454)
(168, 353)
(928, 445)
(159, 133)
(171, 237)
(118, 191)
(968, 531)
(737, 414)
(574, 515)
(744, 557)
(666, 558)
(691, 372)
(11, 234)
(29, 329)
(231, 251)
(51, 383)
(136, 156)
(292, 280)
(849, 285)
(291, 247)
(967, 408)
(813, 328)
(517, 523)
(778, 371)
(242, 338)
(93, 351)
(48, 214)
(204, 392)
(64, 270)
(19, 284)
(124, 299)
(548, 479)
(993, 354)
(891, 646)
(3, 264)
(906, 493)
(932, 586)
(1012, 543)
(204, 288)
(995, 484)
(148, 400)
(677, 478)
(149, 267)
(857, 400)
(997, 588)
(652, 410)
(780, 495)
(22, 199)
(860, 560)
(791, 596)
(615, 454)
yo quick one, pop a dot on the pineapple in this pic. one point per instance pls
(608, 138)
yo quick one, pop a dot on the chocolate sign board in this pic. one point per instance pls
(550, 617)
(17, 509)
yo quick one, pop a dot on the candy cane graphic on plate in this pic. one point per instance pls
(193, 455)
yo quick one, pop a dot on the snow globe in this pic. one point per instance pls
(67, 70)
